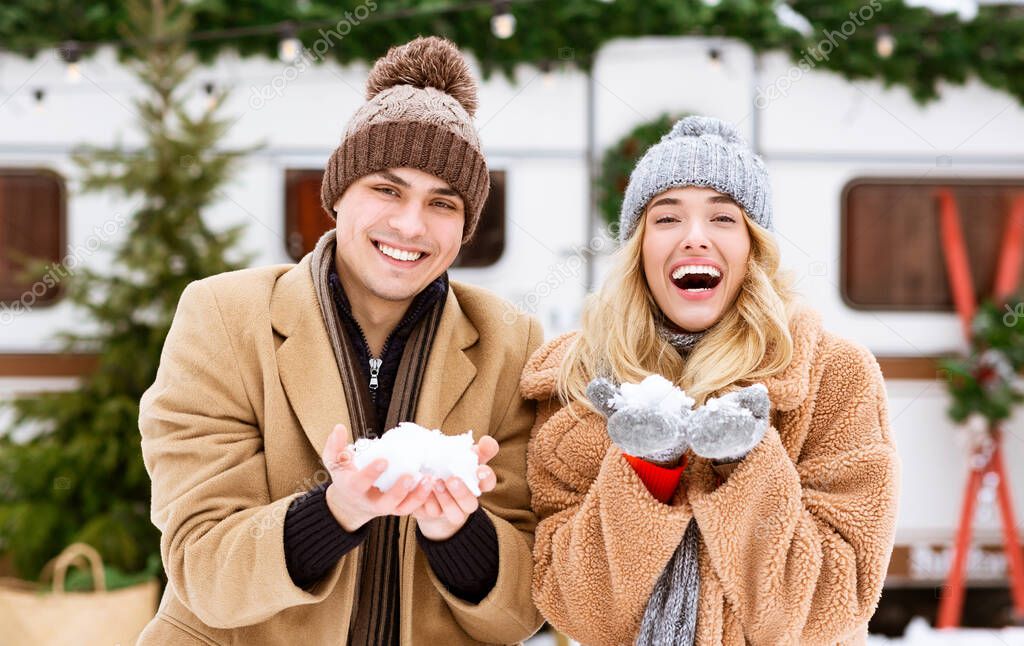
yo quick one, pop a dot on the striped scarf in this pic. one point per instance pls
(376, 612)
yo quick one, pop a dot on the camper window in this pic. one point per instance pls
(892, 256)
(32, 229)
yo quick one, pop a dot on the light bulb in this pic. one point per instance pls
(503, 25)
(715, 56)
(288, 49)
(211, 98)
(71, 52)
(885, 44)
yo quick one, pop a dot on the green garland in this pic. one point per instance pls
(621, 158)
(987, 382)
(929, 48)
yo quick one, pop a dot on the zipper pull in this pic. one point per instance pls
(374, 371)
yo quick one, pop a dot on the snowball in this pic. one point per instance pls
(727, 403)
(714, 404)
(653, 392)
(411, 449)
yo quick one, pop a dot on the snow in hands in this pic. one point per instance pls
(653, 392)
(654, 419)
(411, 449)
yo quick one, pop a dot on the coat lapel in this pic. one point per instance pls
(305, 360)
(449, 370)
(309, 371)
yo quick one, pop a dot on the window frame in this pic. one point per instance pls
(58, 292)
(932, 183)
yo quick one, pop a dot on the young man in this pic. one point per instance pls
(270, 534)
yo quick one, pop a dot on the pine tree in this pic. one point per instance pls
(79, 476)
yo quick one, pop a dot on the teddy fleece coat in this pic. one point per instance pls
(246, 394)
(795, 541)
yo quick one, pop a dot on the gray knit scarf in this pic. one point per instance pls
(670, 618)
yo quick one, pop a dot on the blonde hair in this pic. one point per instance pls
(619, 337)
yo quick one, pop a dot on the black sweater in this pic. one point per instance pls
(466, 563)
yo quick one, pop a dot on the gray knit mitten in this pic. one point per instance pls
(728, 427)
(645, 420)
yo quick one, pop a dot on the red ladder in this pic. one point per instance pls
(962, 286)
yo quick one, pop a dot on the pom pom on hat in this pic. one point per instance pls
(425, 62)
(697, 126)
(419, 110)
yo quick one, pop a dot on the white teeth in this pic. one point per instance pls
(695, 269)
(398, 254)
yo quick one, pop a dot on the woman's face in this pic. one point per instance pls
(694, 253)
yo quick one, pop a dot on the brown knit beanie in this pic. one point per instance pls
(420, 104)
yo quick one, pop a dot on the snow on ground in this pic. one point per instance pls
(918, 633)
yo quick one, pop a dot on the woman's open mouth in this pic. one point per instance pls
(696, 282)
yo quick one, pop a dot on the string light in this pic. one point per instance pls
(715, 56)
(547, 73)
(289, 47)
(885, 44)
(211, 98)
(38, 94)
(503, 23)
(503, 26)
(71, 53)
(234, 33)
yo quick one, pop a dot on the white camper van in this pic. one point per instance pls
(854, 168)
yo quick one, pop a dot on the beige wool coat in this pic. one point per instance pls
(246, 395)
(795, 542)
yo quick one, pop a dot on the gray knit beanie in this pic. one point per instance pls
(421, 99)
(699, 151)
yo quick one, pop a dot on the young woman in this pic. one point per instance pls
(758, 505)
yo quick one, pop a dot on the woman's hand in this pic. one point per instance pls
(728, 427)
(646, 431)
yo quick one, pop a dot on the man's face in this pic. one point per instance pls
(398, 230)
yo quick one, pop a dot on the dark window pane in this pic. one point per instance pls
(305, 220)
(32, 228)
(892, 250)
(488, 242)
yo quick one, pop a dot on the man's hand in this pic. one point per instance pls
(351, 496)
(451, 502)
